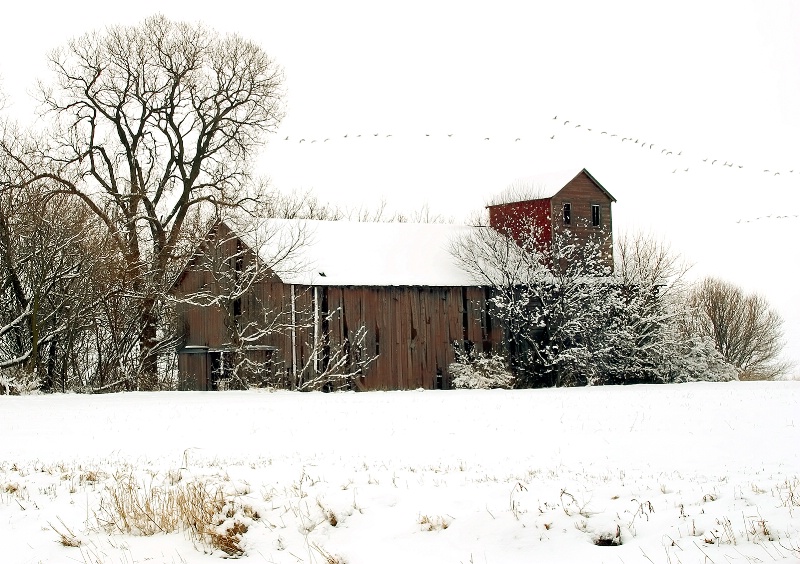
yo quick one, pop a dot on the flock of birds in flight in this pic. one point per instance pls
(634, 141)
(631, 140)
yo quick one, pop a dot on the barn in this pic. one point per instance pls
(304, 304)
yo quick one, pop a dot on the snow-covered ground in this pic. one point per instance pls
(665, 474)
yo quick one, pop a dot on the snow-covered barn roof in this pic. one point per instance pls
(541, 186)
(345, 253)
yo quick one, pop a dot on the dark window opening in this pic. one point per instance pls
(595, 215)
(439, 383)
(567, 213)
(237, 307)
(377, 340)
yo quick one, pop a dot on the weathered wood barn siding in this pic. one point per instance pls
(582, 193)
(412, 332)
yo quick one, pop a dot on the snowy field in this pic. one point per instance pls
(706, 473)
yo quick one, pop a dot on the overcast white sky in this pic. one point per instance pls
(710, 80)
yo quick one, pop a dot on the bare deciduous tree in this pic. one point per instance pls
(744, 328)
(151, 123)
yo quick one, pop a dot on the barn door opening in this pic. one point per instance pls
(221, 369)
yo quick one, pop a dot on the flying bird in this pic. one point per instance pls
(674, 171)
(345, 135)
(613, 135)
(686, 169)
(577, 126)
(662, 151)
(555, 117)
(603, 133)
(314, 141)
(485, 138)
(449, 134)
(651, 145)
(326, 140)
(705, 160)
(287, 138)
(517, 139)
(302, 140)
(712, 162)
(669, 153)
(566, 122)
(427, 135)
(553, 136)
(375, 134)
(389, 135)
(741, 166)
(624, 139)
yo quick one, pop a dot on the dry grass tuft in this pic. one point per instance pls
(66, 537)
(435, 523)
(201, 509)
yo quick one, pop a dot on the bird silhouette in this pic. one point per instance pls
(705, 160)
(686, 169)
(662, 151)
(765, 170)
(389, 135)
(302, 140)
(588, 129)
(555, 117)
(427, 135)
(679, 154)
(613, 135)
(603, 133)
(517, 139)
(777, 174)
(712, 162)
(359, 135)
(674, 171)
(449, 134)
(669, 153)
(651, 145)
(485, 138)
(741, 166)
(287, 138)
(566, 122)
(624, 139)
(552, 136)
(314, 141)
(375, 134)
(345, 135)
(577, 126)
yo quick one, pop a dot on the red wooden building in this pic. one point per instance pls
(368, 306)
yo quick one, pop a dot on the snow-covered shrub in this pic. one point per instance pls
(701, 361)
(481, 372)
(18, 381)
